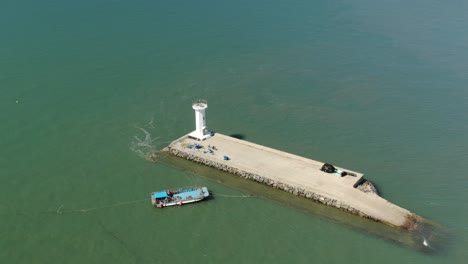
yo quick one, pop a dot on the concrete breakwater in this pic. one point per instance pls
(294, 174)
(275, 184)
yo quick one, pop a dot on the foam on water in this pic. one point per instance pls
(143, 143)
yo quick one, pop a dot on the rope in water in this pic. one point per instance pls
(233, 196)
(84, 210)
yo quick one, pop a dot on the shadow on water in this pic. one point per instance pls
(238, 136)
(429, 238)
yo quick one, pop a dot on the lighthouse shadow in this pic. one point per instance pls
(238, 136)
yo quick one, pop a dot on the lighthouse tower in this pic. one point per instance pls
(200, 133)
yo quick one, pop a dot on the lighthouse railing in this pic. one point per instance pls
(200, 102)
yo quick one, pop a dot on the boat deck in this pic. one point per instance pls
(195, 194)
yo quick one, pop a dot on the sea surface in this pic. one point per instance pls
(89, 87)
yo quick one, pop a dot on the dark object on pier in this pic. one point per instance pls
(198, 146)
(328, 168)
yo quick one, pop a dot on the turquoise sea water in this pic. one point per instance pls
(88, 87)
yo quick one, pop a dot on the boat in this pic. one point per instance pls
(179, 197)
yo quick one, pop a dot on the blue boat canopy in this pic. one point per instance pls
(159, 195)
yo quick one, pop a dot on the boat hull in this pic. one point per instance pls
(179, 197)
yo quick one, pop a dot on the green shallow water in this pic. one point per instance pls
(89, 87)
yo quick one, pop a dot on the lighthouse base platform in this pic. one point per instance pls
(195, 135)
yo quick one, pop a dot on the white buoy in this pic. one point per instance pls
(17, 101)
(425, 243)
(201, 132)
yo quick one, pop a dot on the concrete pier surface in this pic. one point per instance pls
(292, 173)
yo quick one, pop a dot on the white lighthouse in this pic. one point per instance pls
(200, 133)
